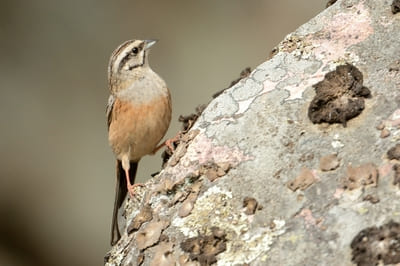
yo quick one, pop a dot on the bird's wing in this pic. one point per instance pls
(110, 105)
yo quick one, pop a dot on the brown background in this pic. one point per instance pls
(57, 171)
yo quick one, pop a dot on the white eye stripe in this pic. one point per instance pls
(118, 55)
(124, 53)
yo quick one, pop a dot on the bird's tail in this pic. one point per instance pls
(120, 193)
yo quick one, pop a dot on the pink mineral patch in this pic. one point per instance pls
(344, 30)
(269, 86)
(309, 218)
(203, 150)
(394, 119)
(338, 193)
(340, 33)
(385, 169)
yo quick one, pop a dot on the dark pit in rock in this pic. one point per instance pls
(339, 97)
(376, 245)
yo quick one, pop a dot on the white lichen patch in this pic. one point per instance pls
(392, 124)
(215, 209)
(249, 89)
(251, 245)
(116, 259)
(297, 45)
(347, 57)
(336, 143)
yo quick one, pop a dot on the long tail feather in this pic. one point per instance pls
(120, 193)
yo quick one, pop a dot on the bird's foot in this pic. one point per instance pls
(131, 189)
(169, 143)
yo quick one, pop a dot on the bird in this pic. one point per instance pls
(138, 115)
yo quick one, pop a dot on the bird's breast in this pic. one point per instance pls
(137, 127)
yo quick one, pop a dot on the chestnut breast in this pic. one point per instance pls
(136, 129)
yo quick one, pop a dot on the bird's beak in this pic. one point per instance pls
(149, 43)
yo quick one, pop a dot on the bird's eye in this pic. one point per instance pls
(135, 50)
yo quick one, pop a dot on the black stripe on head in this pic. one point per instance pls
(115, 54)
(123, 60)
(141, 46)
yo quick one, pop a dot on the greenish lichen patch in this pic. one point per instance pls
(215, 208)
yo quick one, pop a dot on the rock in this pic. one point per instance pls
(248, 144)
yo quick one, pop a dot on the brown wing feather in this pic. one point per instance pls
(110, 105)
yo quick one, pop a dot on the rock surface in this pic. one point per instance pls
(230, 196)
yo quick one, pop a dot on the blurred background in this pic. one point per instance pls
(56, 169)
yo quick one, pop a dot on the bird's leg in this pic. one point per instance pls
(156, 149)
(130, 187)
(169, 143)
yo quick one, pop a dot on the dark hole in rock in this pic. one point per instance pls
(330, 2)
(205, 248)
(376, 245)
(396, 180)
(339, 97)
(394, 153)
(250, 204)
(395, 6)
